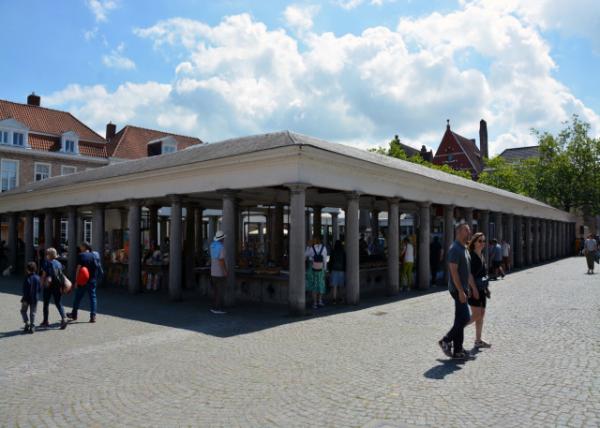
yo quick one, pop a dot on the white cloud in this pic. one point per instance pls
(240, 77)
(101, 8)
(116, 59)
(90, 34)
(299, 17)
(352, 4)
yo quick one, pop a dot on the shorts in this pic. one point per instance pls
(479, 303)
(337, 278)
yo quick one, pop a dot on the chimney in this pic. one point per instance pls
(33, 99)
(111, 130)
(483, 139)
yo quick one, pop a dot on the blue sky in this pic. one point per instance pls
(354, 71)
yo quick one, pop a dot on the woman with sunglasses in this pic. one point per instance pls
(479, 272)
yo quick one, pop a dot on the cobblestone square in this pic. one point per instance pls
(149, 362)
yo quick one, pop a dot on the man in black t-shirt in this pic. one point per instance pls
(85, 259)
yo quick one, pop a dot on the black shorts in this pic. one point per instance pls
(480, 303)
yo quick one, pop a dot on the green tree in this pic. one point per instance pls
(504, 175)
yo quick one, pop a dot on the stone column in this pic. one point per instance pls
(468, 213)
(13, 231)
(189, 247)
(72, 243)
(554, 240)
(48, 229)
(375, 224)
(57, 230)
(135, 246)
(153, 224)
(80, 230)
(528, 242)
(393, 241)
(549, 239)
(229, 228)
(317, 221)
(28, 238)
(352, 253)
(98, 229)
(212, 227)
(297, 287)
(543, 240)
(424, 238)
(483, 226)
(448, 238)
(175, 250)
(334, 227)
(518, 244)
(536, 240)
(277, 238)
(510, 231)
(199, 234)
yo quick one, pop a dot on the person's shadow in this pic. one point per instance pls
(19, 332)
(447, 367)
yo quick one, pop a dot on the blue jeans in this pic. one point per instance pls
(90, 287)
(462, 316)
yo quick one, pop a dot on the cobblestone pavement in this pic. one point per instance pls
(149, 362)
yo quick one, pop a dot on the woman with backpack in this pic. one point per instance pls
(51, 279)
(316, 254)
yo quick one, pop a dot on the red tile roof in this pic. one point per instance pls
(471, 150)
(47, 121)
(52, 144)
(131, 142)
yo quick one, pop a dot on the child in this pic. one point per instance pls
(31, 289)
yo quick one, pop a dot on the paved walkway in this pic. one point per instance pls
(148, 362)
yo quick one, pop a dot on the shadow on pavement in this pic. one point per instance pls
(449, 366)
(193, 313)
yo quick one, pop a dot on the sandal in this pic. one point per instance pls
(482, 344)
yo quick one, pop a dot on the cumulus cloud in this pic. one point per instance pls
(101, 8)
(116, 59)
(299, 17)
(352, 4)
(240, 77)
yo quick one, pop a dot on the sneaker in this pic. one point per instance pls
(482, 344)
(72, 316)
(445, 347)
(460, 355)
(218, 312)
(26, 329)
(93, 318)
(63, 324)
(31, 329)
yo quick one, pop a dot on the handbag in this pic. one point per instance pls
(67, 286)
(483, 282)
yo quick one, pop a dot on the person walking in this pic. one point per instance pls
(218, 271)
(337, 262)
(496, 259)
(51, 270)
(407, 256)
(31, 289)
(479, 275)
(316, 254)
(86, 259)
(590, 247)
(460, 286)
(506, 256)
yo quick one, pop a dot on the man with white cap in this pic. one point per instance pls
(218, 271)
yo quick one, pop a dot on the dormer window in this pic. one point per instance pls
(18, 139)
(162, 146)
(13, 132)
(69, 143)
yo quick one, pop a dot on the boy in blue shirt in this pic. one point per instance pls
(31, 290)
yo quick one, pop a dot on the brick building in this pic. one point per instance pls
(461, 153)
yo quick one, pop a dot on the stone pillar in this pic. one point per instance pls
(153, 225)
(468, 213)
(57, 230)
(13, 231)
(562, 239)
(48, 229)
(98, 229)
(199, 234)
(190, 236)
(135, 246)
(72, 243)
(80, 230)
(483, 226)
(393, 241)
(352, 253)
(212, 227)
(175, 250)
(499, 226)
(528, 242)
(554, 240)
(448, 238)
(297, 235)
(375, 224)
(335, 231)
(229, 228)
(277, 238)
(423, 247)
(28, 238)
(536, 240)
(510, 233)
(543, 240)
(518, 244)
(317, 221)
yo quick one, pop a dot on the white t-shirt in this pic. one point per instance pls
(505, 249)
(409, 254)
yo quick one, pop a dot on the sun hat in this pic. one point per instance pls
(219, 235)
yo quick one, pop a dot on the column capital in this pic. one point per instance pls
(297, 187)
(394, 200)
(99, 205)
(426, 204)
(134, 202)
(352, 195)
(174, 198)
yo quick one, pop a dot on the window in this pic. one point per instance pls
(64, 231)
(9, 171)
(66, 170)
(42, 171)
(450, 158)
(18, 139)
(87, 231)
(3, 137)
(169, 148)
(69, 146)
